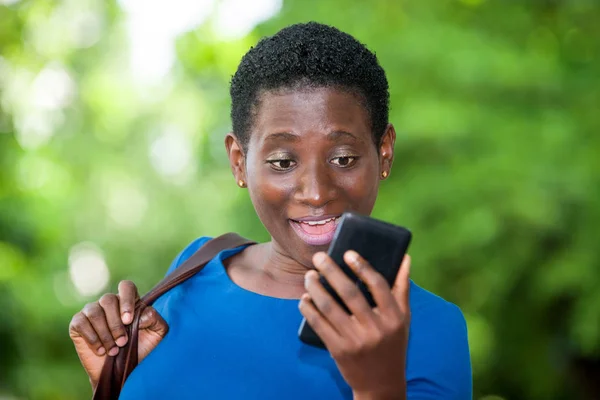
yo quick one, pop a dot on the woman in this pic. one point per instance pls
(310, 140)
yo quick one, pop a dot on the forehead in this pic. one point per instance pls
(310, 111)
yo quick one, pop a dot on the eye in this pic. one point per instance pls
(344, 162)
(282, 165)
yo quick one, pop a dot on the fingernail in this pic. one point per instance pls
(101, 351)
(113, 352)
(303, 299)
(319, 258)
(352, 256)
(122, 341)
(126, 317)
(306, 280)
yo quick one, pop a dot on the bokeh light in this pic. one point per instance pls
(87, 269)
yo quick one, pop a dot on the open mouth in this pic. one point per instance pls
(316, 232)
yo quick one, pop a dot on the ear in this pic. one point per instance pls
(386, 150)
(237, 158)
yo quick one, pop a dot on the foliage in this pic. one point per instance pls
(495, 104)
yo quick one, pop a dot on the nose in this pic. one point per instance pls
(316, 186)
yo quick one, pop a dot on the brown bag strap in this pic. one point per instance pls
(116, 369)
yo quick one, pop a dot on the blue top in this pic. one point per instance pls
(225, 342)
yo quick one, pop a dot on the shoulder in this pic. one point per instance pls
(425, 303)
(433, 314)
(433, 318)
(438, 350)
(187, 252)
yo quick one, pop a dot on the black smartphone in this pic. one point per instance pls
(382, 244)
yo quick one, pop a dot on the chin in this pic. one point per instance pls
(306, 251)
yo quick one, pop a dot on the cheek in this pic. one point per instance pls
(267, 191)
(268, 194)
(362, 193)
(363, 181)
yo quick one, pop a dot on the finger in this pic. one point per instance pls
(110, 305)
(153, 321)
(95, 314)
(344, 287)
(401, 289)
(327, 306)
(81, 326)
(375, 282)
(318, 322)
(128, 296)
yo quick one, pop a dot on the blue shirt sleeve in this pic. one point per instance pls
(440, 366)
(187, 253)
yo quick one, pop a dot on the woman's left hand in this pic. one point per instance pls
(369, 346)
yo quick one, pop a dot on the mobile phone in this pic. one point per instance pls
(382, 244)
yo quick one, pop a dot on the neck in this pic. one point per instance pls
(282, 268)
(267, 270)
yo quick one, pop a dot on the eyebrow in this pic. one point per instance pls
(335, 135)
(290, 137)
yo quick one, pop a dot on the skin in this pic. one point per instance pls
(310, 153)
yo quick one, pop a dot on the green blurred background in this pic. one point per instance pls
(112, 119)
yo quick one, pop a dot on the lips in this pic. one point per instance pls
(316, 231)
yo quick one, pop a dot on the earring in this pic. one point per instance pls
(241, 183)
(384, 174)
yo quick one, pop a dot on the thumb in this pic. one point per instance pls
(401, 289)
(151, 320)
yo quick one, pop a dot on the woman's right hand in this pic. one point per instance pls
(99, 329)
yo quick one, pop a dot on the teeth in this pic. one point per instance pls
(323, 222)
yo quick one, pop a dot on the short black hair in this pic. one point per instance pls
(308, 55)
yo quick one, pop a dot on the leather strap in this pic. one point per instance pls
(116, 369)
